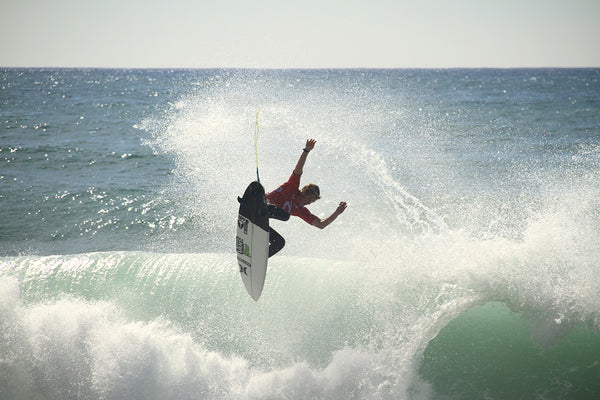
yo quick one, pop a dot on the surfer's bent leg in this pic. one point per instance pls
(277, 213)
(276, 242)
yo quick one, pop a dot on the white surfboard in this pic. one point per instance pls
(252, 239)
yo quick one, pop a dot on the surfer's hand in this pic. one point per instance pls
(322, 223)
(310, 144)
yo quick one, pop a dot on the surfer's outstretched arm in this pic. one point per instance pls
(322, 223)
(310, 144)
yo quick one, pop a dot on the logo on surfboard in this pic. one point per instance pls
(242, 248)
(243, 224)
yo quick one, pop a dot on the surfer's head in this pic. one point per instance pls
(313, 190)
(310, 193)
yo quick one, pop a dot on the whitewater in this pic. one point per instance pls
(465, 267)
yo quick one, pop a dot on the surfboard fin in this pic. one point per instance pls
(276, 242)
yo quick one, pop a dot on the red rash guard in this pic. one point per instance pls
(285, 197)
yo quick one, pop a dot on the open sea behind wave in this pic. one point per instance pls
(465, 267)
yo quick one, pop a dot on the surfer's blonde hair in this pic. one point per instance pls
(312, 189)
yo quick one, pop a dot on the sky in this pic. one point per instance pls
(300, 33)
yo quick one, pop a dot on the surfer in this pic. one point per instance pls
(289, 199)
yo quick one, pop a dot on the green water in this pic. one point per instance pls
(489, 353)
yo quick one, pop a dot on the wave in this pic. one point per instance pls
(71, 348)
(145, 325)
(489, 351)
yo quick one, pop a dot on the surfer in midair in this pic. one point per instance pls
(293, 201)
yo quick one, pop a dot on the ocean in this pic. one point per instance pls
(467, 265)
